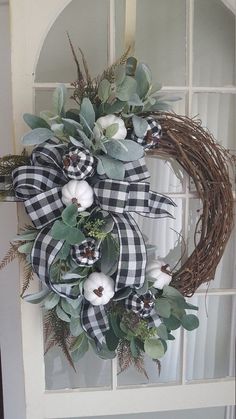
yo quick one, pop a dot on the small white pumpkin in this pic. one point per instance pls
(98, 288)
(78, 192)
(154, 269)
(106, 121)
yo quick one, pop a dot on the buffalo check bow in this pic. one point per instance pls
(39, 186)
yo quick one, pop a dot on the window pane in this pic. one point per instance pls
(217, 112)
(86, 22)
(214, 44)
(170, 367)
(164, 233)
(91, 371)
(160, 39)
(210, 348)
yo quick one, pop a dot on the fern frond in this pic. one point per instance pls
(139, 365)
(11, 254)
(57, 334)
(28, 277)
(124, 355)
(158, 363)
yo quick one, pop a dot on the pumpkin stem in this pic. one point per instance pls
(99, 291)
(165, 269)
(75, 201)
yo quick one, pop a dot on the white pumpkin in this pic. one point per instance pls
(79, 192)
(154, 270)
(98, 288)
(106, 121)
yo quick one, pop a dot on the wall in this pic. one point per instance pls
(10, 343)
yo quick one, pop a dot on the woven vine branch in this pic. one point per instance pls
(207, 163)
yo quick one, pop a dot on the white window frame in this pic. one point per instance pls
(31, 21)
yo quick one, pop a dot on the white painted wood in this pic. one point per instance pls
(130, 24)
(136, 400)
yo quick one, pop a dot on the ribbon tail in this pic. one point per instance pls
(43, 254)
(156, 202)
(95, 322)
(133, 257)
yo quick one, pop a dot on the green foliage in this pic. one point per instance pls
(109, 256)
(69, 215)
(189, 321)
(140, 126)
(124, 150)
(154, 348)
(114, 169)
(37, 136)
(87, 115)
(37, 297)
(34, 121)
(61, 231)
(59, 99)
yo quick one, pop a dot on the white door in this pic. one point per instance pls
(190, 46)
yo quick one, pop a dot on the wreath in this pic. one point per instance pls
(81, 184)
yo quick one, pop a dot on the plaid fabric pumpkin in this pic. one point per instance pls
(85, 253)
(152, 135)
(140, 304)
(78, 163)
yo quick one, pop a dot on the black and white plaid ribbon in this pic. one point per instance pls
(152, 135)
(39, 185)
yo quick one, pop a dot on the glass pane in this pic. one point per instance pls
(91, 371)
(210, 348)
(214, 44)
(217, 112)
(43, 100)
(164, 233)
(209, 413)
(86, 22)
(170, 367)
(160, 39)
(166, 175)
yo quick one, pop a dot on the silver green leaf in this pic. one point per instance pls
(37, 136)
(59, 99)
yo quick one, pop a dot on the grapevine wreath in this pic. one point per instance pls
(83, 180)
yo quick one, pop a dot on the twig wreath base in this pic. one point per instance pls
(207, 164)
(101, 287)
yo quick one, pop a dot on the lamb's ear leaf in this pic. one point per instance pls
(59, 99)
(140, 126)
(69, 215)
(59, 230)
(109, 255)
(74, 236)
(143, 78)
(113, 168)
(37, 136)
(87, 115)
(34, 121)
(124, 150)
(37, 297)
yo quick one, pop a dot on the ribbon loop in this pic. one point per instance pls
(32, 180)
(95, 322)
(121, 196)
(133, 258)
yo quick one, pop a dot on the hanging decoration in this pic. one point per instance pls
(86, 176)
